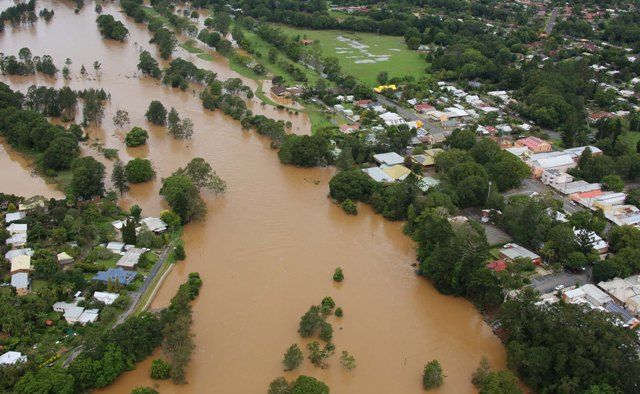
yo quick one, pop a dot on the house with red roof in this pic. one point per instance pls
(497, 266)
(424, 108)
(362, 103)
(534, 144)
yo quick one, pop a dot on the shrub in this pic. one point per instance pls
(339, 312)
(433, 375)
(160, 369)
(327, 305)
(136, 137)
(139, 170)
(326, 332)
(180, 253)
(292, 358)
(144, 390)
(310, 322)
(349, 207)
(337, 275)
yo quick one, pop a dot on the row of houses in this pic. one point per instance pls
(73, 313)
(618, 297)
(392, 168)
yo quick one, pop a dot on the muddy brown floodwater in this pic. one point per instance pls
(268, 247)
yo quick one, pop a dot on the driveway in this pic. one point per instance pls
(494, 234)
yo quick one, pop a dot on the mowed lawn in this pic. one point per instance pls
(631, 140)
(364, 55)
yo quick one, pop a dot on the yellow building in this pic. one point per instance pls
(397, 172)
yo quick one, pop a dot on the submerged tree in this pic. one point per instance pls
(121, 118)
(433, 376)
(202, 175)
(292, 358)
(156, 113)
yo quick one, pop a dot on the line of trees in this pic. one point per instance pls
(27, 64)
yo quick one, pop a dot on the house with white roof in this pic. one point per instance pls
(608, 200)
(620, 289)
(18, 252)
(595, 296)
(20, 282)
(17, 228)
(14, 216)
(17, 240)
(73, 313)
(392, 119)
(115, 247)
(512, 251)
(377, 174)
(130, 258)
(561, 163)
(597, 243)
(155, 225)
(389, 158)
(105, 297)
(454, 112)
(12, 358)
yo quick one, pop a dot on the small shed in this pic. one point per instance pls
(64, 258)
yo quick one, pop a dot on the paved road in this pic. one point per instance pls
(411, 115)
(547, 283)
(135, 296)
(551, 22)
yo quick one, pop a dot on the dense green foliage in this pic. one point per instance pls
(178, 342)
(136, 136)
(139, 170)
(183, 197)
(110, 28)
(148, 65)
(292, 358)
(160, 369)
(156, 113)
(432, 376)
(554, 348)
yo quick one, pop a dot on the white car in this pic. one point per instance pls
(558, 288)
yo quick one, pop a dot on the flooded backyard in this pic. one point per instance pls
(268, 248)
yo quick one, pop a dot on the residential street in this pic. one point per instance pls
(411, 115)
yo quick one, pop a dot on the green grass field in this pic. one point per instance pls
(631, 139)
(263, 48)
(190, 46)
(364, 55)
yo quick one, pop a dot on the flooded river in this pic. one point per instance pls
(268, 248)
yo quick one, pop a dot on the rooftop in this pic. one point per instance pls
(10, 358)
(115, 274)
(20, 280)
(377, 174)
(513, 251)
(130, 258)
(389, 158)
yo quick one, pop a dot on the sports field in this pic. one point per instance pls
(364, 55)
